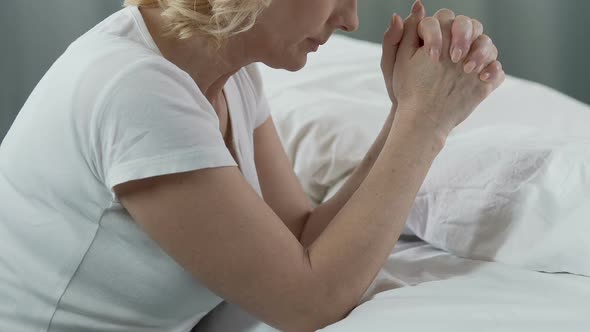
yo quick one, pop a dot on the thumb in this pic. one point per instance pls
(391, 40)
(411, 40)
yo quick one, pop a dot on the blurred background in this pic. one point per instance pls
(540, 40)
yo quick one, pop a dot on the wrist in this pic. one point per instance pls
(416, 123)
(391, 115)
(393, 107)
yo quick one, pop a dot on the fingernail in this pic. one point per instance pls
(470, 66)
(456, 55)
(485, 76)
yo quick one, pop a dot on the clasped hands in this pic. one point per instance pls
(445, 37)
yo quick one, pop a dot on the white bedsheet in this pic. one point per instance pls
(421, 288)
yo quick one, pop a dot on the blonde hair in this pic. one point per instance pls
(216, 19)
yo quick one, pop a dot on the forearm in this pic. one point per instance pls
(324, 213)
(350, 251)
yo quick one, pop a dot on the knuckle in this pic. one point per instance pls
(477, 24)
(492, 68)
(448, 12)
(482, 50)
(431, 30)
(480, 54)
(483, 64)
(495, 51)
(424, 26)
(430, 21)
(496, 66)
(445, 13)
(492, 56)
(488, 57)
(462, 19)
(477, 30)
(485, 39)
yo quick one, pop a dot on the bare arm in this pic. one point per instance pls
(214, 224)
(465, 33)
(283, 192)
(355, 244)
(324, 213)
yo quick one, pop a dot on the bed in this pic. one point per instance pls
(515, 255)
(423, 289)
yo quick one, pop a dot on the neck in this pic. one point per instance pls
(210, 70)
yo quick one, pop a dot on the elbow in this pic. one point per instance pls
(319, 312)
(336, 306)
(331, 316)
(320, 304)
(315, 320)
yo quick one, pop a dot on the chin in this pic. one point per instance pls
(294, 62)
(293, 66)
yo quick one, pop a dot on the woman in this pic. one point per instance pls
(147, 182)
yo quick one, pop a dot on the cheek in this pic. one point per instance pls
(287, 42)
(292, 34)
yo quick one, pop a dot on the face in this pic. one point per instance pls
(289, 29)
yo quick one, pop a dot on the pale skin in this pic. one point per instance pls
(294, 267)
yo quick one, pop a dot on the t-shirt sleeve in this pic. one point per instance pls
(263, 108)
(263, 111)
(154, 121)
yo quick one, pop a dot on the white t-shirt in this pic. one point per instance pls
(111, 109)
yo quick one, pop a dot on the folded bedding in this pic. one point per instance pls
(511, 194)
(470, 296)
(422, 288)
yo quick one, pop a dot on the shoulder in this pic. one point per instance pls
(148, 92)
(152, 76)
(118, 69)
(153, 89)
(104, 63)
(115, 50)
(253, 76)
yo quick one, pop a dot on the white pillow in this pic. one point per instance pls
(512, 194)
(329, 113)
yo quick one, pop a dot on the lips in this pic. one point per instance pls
(319, 42)
(316, 43)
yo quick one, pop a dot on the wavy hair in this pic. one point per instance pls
(216, 19)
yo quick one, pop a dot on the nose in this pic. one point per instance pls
(346, 19)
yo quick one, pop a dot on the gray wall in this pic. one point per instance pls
(33, 34)
(542, 40)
